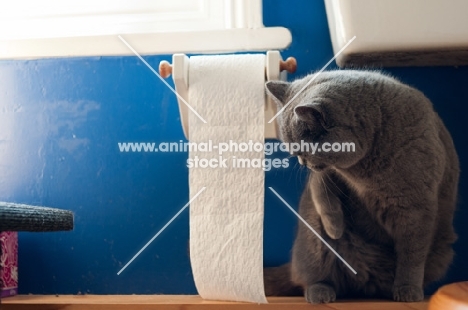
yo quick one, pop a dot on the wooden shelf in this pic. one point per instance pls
(184, 302)
(451, 297)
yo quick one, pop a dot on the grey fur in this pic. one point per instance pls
(388, 207)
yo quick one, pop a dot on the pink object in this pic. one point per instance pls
(9, 264)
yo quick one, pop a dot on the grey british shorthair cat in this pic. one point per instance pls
(386, 208)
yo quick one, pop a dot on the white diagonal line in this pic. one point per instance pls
(311, 80)
(161, 230)
(313, 230)
(163, 80)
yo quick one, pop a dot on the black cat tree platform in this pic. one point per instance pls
(20, 217)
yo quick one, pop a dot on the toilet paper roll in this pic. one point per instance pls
(226, 220)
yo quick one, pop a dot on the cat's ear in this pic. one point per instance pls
(309, 113)
(277, 90)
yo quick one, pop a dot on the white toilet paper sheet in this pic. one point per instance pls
(226, 220)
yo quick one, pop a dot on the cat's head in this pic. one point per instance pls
(331, 107)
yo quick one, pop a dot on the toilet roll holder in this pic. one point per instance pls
(275, 69)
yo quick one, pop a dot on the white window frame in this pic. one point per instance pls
(81, 28)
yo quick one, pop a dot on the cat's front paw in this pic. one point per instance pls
(408, 293)
(334, 226)
(319, 293)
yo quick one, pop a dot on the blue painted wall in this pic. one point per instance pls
(61, 120)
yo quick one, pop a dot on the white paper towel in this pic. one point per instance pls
(226, 220)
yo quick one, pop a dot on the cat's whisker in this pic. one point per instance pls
(349, 201)
(326, 191)
(336, 186)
